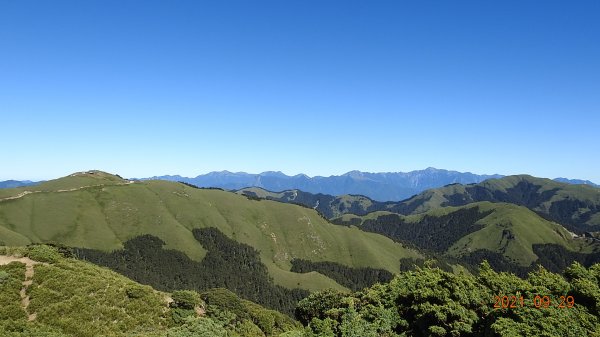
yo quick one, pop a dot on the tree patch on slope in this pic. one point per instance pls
(353, 278)
(435, 233)
(227, 264)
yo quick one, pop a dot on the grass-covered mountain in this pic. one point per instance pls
(43, 293)
(101, 213)
(511, 237)
(328, 205)
(377, 186)
(515, 222)
(576, 207)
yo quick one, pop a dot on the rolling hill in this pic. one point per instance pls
(576, 207)
(103, 212)
(511, 237)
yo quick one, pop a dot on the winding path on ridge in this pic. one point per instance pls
(29, 273)
(24, 193)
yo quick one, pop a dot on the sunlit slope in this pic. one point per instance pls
(67, 297)
(512, 231)
(576, 207)
(507, 229)
(101, 211)
(45, 294)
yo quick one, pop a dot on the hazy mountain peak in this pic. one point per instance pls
(273, 174)
(575, 181)
(16, 183)
(354, 174)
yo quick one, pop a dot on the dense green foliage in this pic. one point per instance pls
(221, 300)
(352, 278)
(431, 302)
(11, 277)
(185, 299)
(227, 263)
(556, 258)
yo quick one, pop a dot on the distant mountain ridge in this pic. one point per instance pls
(576, 181)
(17, 183)
(377, 186)
(383, 186)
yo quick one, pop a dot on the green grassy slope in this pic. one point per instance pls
(512, 231)
(328, 205)
(72, 298)
(101, 211)
(502, 228)
(573, 206)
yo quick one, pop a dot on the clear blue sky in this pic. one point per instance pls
(143, 88)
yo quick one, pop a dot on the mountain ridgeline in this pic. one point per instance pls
(16, 183)
(577, 207)
(378, 186)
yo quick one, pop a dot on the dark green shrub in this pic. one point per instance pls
(186, 299)
(198, 327)
(224, 299)
(316, 304)
(3, 276)
(135, 292)
(179, 316)
(43, 253)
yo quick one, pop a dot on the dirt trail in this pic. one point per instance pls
(22, 194)
(29, 273)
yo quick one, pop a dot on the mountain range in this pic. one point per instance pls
(389, 186)
(385, 186)
(378, 186)
(16, 183)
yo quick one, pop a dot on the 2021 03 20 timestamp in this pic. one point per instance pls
(538, 301)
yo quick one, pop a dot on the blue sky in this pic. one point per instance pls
(144, 88)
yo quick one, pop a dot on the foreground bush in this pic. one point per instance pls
(431, 302)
